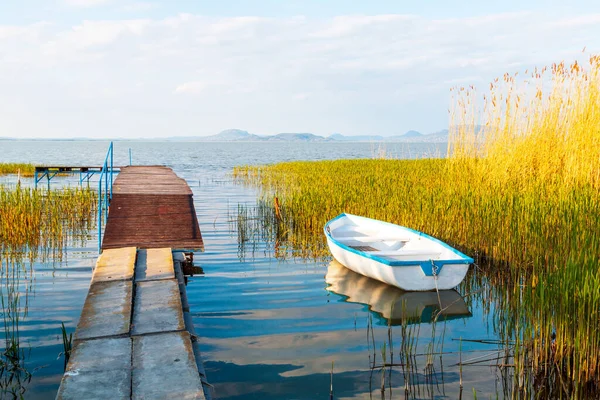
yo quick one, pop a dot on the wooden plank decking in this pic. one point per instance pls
(152, 208)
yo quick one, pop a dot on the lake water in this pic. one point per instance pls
(270, 329)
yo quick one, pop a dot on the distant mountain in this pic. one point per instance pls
(232, 135)
(296, 137)
(238, 135)
(418, 137)
(412, 134)
(442, 133)
(360, 138)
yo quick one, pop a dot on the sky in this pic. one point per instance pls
(149, 69)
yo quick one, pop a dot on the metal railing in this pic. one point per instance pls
(105, 192)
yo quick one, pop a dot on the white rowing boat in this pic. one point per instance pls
(396, 255)
(394, 305)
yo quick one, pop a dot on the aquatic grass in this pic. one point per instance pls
(14, 374)
(25, 170)
(67, 340)
(520, 192)
(35, 222)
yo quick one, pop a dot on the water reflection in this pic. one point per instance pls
(268, 329)
(391, 304)
(14, 373)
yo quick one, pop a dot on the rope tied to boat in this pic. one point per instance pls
(434, 271)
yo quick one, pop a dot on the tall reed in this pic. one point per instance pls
(26, 170)
(520, 191)
(34, 222)
(14, 291)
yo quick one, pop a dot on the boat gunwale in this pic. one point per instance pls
(464, 259)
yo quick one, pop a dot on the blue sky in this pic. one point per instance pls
(134, 68)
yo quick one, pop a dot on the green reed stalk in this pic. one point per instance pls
(521, 195)
(25, 170)
(34, 222)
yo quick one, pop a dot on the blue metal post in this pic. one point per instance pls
(36, 178)
(105, 198)
(111, 169)
(100, 214)
(130, 156)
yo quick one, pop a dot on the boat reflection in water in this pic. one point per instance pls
(392, 304)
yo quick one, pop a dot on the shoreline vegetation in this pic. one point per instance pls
(22, 169)
(40, 222)
(34, 225)
(521, 195)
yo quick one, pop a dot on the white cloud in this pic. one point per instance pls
(301, 96)
(86, 3)
(354, 74)
(349, 25)
(191, 87)
(139, 6)
(579, 21)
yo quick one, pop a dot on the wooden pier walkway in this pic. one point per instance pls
(135, 338)
(151, 207)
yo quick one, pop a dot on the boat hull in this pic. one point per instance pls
(405, 277)
(394, 254)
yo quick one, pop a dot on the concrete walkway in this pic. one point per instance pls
(132, 341)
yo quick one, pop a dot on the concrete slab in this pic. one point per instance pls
(114, 265)
(98, 369)
(164, 367)
(154, 264)
(157, 307)
(107, 310)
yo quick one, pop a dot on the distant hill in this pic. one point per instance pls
(412, 134)
(232, 135)
(443, 132)
(296, 137)
(238, 135)
(360, 138)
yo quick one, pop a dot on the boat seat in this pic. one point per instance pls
(405, 253)
(372, 238)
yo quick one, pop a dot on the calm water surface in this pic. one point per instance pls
(270, 329)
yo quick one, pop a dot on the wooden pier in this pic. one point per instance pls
(151, 207)
(135, 339)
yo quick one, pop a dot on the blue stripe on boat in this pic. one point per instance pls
(426, 266)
